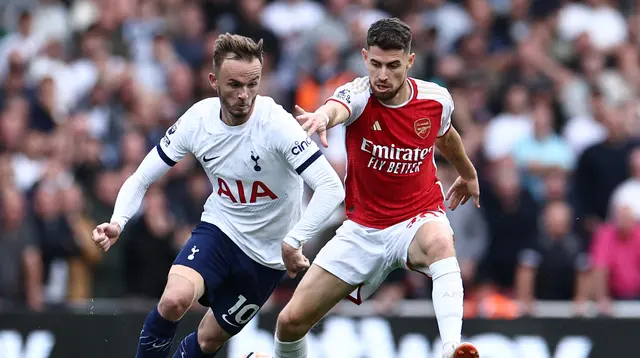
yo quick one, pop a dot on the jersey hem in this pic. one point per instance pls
(395, 222)
(210, 219)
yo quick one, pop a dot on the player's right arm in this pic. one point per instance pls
(172, 148)
(344, 107)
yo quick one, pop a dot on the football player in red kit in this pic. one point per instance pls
(394, 201)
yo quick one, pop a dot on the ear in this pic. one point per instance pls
(412, 58)
(213, 81)
(365, 55)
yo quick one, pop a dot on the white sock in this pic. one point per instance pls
(297, 349)
(448, 298)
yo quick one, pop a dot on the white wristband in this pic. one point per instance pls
(326, 116)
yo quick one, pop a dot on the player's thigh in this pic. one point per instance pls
(318, 292)
(202, 262)
(247, 288)
(353, 255)
(423, 240)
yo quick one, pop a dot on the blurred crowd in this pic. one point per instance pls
(546, 100)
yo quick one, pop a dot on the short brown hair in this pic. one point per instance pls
(390, 34)
(235, 47)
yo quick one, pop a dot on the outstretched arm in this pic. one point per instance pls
(133, 190)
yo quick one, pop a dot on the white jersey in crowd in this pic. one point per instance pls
(255, 170)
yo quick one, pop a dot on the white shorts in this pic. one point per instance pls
(363, 256)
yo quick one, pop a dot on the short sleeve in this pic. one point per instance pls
(293, 142)
(177, 141)
(447, 111)
(354, 96)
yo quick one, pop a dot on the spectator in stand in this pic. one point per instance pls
(602, 167)
(512, 221)
(556, 266)
(544, 151)
(20, 259)
(628, 193)
(615, 253)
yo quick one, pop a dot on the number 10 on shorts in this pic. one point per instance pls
(243, 313)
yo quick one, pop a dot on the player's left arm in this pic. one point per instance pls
(306, 158)
(451, 147)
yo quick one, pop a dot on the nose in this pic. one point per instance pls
(244, 94)
(383, 76)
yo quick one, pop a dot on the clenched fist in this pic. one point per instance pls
(294, 260)
(105, 235)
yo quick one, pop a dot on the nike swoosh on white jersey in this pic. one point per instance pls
(224, 317)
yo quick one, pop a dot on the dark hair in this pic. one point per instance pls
(235, 47)
(390, 34)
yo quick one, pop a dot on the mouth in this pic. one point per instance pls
(382, 88)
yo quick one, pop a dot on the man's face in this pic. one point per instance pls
(237, 83)
(387, 70)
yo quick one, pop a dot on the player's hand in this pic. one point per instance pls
(461, 191)
(294, 260)
(313, 123)
(105, 235)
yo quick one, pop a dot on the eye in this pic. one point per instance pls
(375, 64)
(253, 84)
(394, 65)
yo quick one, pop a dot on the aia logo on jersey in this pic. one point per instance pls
(422, 127)
(236, 193)
(299, 147)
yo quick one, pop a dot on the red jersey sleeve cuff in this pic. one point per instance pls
(341, 102)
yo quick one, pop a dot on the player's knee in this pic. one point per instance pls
(292, 322)
(174, 304)
(439, 246)
(431, 248)
(210, 342)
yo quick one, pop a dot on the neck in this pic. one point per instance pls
(230, 120)
(402, 96)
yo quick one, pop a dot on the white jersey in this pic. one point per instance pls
(254, 169)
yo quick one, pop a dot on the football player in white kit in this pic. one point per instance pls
(252, 230)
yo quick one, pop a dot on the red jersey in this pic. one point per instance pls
(391, 172)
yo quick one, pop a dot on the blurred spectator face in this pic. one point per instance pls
(46, 202)
(199, 187)
(474, 46)
(387, 70)
(133, 148)
(557, 219)
(192, 21)
(24, 24)
(592, 64)
(181, 83)
(107, 186)
(72, 200)
(625, 218)
(251, 9)
(326, 52)
(237, 83)
(6, 170)
(556, 184)
(481, 13)
(34, 144)
(542, 119)
(517, 99)
(12, 131)
(450, 67)
(519, 8)
(13, 207)
(507, 180)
